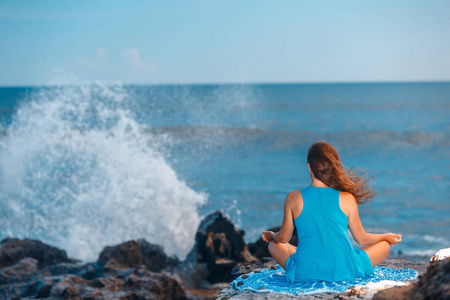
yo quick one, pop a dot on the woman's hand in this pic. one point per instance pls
(393, 238)
(267, 236)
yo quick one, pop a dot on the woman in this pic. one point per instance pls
(322, 212)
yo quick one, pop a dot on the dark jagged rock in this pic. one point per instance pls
(160, 285)
(70, 293)
(122, 272)
(133, 254)
(253, 266)
(434, 284)
(218, 238)
(219, 246)
(40, 288)
(259, 248)
(91, 271)
(59, 269)
(12, 291)
(22, 271)
(13, 250)
(129, 284)
(125, 271)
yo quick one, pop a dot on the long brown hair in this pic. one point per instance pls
(327, 167)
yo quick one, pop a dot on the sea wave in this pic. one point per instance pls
(78, 172)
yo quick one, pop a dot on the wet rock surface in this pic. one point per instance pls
(132, 270)
(13, 250)
(433, 284)
(219, 246)
(133, 254)
(22, 271)
(269, 263)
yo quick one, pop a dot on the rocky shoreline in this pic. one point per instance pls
(140, 270)
(353, 293)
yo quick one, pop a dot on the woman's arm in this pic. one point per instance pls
(285, 233)
(357, 230)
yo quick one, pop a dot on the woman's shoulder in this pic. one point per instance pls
(294, 202)
(295, 193)
(294, 196)
(347, 201)
(347, 197)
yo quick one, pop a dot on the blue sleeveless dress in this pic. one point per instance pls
(324, 251)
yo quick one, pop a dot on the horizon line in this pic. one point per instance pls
(232, 83)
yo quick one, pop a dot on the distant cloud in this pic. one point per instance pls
(133, 56)
(100, 51)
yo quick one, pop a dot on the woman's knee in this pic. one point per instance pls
(272, 245)
(377, 252)
(386, 246)
(383, 250)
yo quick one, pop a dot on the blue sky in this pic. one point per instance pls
(153, 42)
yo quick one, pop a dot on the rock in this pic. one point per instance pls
(434, 284)
(353, 293)
(259, 248)
(229, 293)
(91, 271)
(192, 273)
(133, 254)
(13, 250)
(162, 286)
(40, 288)
(109, 283)
(122, 272)
(12, 291)
(370, 289)
(218, 238)
(254, 266)
(395, 293)
(59, 269)
(128, 284)
(202, 294)
(219, 246)
(70, 293)
(441, 255)
(22, 271)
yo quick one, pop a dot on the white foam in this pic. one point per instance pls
(437, 239)
(427, 252)
(77, 172)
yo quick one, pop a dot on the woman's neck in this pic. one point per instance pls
(317, 183)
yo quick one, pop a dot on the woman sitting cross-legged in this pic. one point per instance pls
(322, 212)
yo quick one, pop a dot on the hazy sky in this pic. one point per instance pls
(44, 42)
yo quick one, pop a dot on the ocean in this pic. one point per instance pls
(84, 166)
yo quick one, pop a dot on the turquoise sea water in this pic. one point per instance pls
(87, 166)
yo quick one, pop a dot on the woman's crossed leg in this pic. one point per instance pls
(281, 252)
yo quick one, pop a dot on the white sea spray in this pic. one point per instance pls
(77, 172)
